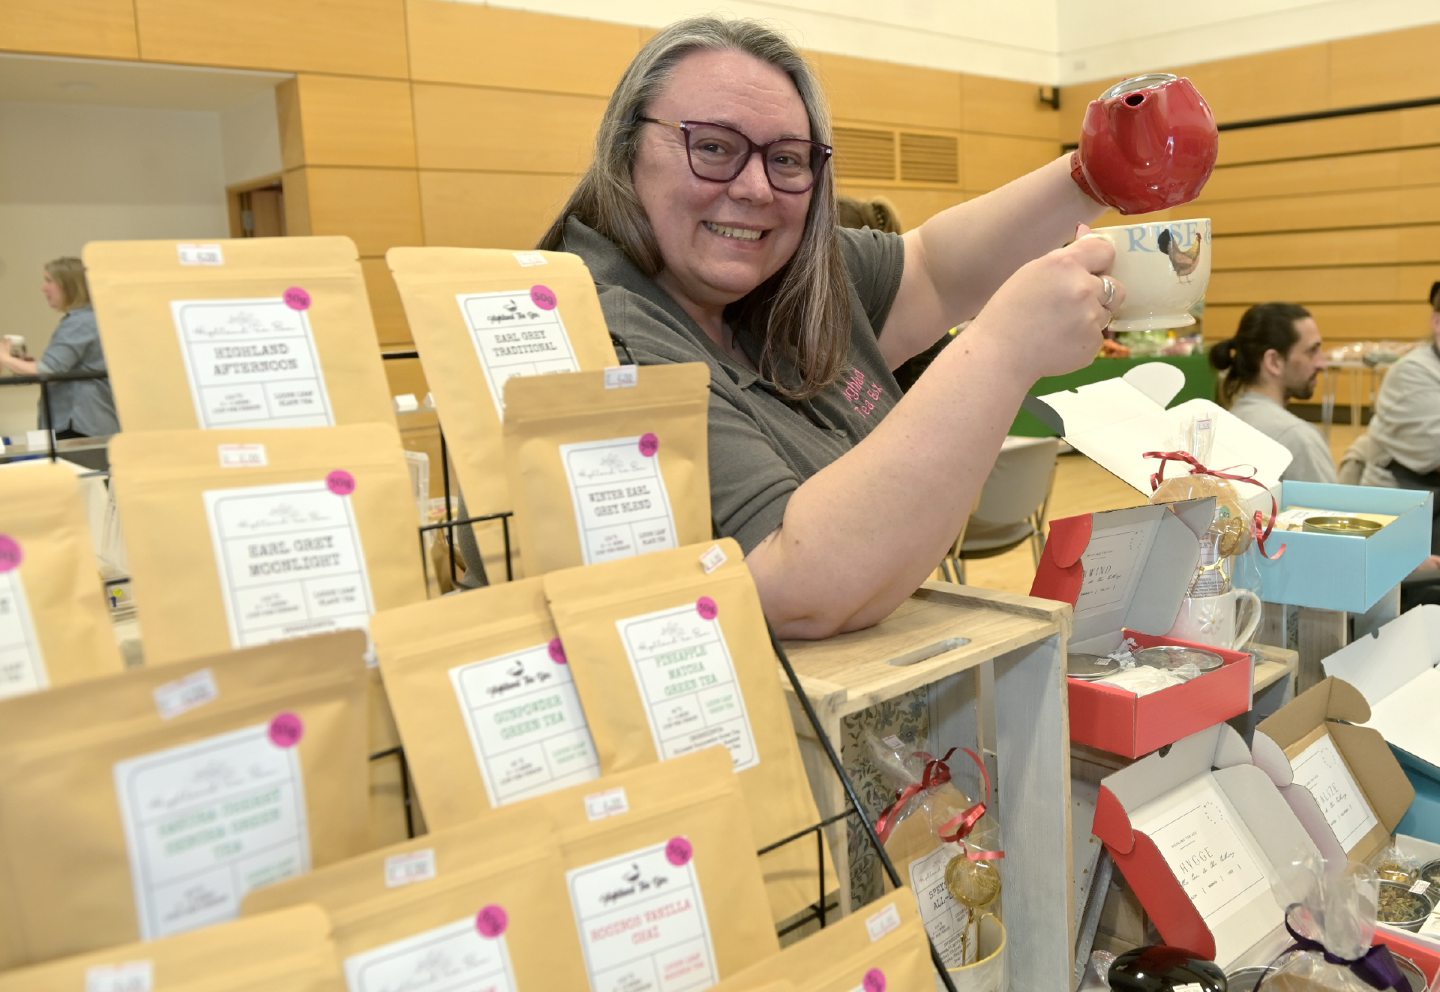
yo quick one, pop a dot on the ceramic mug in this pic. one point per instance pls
(1164, 267)
(1217, 620)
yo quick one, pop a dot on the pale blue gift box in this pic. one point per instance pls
(1336, 571)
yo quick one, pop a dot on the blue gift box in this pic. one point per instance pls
(1337, 571)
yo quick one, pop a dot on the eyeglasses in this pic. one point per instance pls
(719, 154)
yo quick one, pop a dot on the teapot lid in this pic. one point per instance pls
(1149, 81)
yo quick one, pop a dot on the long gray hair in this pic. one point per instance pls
(802, 313)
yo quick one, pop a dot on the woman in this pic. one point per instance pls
(843, 498)
(85, 407)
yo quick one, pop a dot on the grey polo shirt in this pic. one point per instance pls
(87, 406)
(762, 446)
(1310, 453)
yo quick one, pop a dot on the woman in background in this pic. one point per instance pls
(85, 407)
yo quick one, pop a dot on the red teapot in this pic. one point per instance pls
(1148, 143)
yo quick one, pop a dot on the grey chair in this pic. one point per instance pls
(1012, 505)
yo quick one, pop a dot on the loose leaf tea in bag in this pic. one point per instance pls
(607, 465)
(880, 947)
(481, 317)
(288, 951)
(661, 870)
(484, 700)
(254, 332)
(149, 803)
(671, 658)
(54, 623)
(482, 906)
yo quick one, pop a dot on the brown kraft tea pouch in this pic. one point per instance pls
(288, 951)
(671, 655)
(149, 803)
(609, 464)
(477, 907)
(54, 622)
(253, 332)
(661, 871)
(479, 317)
(484, 700)
(880, 947)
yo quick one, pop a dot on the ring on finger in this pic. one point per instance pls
(1107, 284)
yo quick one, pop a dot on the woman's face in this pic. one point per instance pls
(718, 241)
(54, 295)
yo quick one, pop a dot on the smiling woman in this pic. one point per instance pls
(708, 222)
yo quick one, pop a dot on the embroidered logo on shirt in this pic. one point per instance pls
(862, 396)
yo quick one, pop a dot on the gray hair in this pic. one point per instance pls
(802, 313)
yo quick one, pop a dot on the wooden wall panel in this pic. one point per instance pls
(491, 46)
(1333, 136)
(989, 160)
(340, 120)
(385, 305)
(1269, 84)
(1374, 246)
(94, 28)
(376, 208)
(1340, 322)
(1306, 286)
(1002, 106)
(913, 205)
(889, 94)
(1365, 208)
(1331, 174)
(358, 37)
(462, 127)
(1379, 68)
(490, 209)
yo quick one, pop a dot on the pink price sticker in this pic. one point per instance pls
(543, 297)
(492, 921)
(340, 482)
(286, 730)
(678, 851)
(874, 981)
(649, 444)
(10, 554)
(707, 608)
(557, 651)
(297, 298)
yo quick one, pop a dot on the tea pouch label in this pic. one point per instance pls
(490, 915)
(485, 700)
(313, 536)
(481, 317)
(603, 473)
(879, 947)
(944, 918)
(286, 951)
(290, 561)
(207, 822)
(54, 622)
(266, 332)
(127, 816)
(642, 920)
(663, 892)
(252, 363)
(672, 659)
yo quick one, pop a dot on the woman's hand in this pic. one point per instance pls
(1052, 311)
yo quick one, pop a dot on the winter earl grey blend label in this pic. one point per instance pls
(525, 723)
(290, 561)
(621, 506)
(642, 921)
(252, 363)
(687, 680)
(515, 333)
(207, 822)
(455, 957)
(22, 664)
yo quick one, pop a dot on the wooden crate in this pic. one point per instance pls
(1015, 647)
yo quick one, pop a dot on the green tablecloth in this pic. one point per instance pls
(1200, 383)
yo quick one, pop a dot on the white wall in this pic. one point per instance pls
(250, 140)
(72, 173)
(1041, 41)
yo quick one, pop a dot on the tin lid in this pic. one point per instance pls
(1351, 526)
(1089, 667)
(1174, 656)
(1149, 81)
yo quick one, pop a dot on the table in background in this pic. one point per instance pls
(1200, 383)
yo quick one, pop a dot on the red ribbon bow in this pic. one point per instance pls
(1260, 528)
(958, 827)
